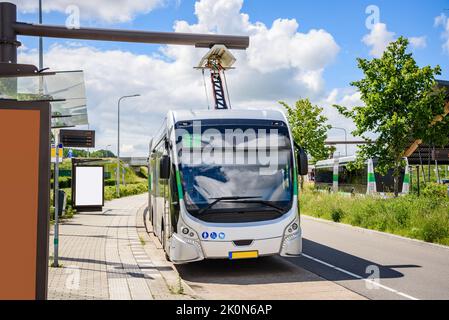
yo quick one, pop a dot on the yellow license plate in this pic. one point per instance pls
(243, 255)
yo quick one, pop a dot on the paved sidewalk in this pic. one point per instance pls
(108, 255)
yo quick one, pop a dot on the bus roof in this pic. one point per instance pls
(256, 114)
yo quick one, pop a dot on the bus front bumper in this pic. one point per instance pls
(186, 251)
(292, 245)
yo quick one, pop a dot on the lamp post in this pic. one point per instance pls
(118, 142)
(346, 138)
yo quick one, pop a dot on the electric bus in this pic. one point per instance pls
(223, 185)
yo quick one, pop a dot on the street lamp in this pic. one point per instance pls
(118, 141)
(346, 138)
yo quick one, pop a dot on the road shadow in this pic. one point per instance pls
(268, 270)
(264, 270)
(346, 261)
(116, 265)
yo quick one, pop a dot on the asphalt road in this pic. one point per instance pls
(269, 278)
(407, 269)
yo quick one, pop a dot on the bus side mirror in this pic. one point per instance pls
(165, 165)
(303, 162)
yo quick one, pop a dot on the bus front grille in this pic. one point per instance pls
(243, 243)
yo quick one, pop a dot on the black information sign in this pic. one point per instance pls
(77, 138)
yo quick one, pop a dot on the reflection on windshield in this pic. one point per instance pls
(203, 181)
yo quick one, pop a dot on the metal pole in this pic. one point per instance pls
(41, 40)
(56, 196)
(175, 38)
(418, 182)
(117, 178)
(437, 172)
(117, 171)
(346, 139)
(8, 36)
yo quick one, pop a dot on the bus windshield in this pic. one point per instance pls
(236, 171)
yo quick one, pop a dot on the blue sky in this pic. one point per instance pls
(343, 21)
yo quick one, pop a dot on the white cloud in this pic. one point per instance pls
(443, 21)
(127, 148)
(281, 64)
(349, 98)
(106, 10)
(418, 42)
(378, 39)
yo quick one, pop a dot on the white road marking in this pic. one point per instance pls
(370, 281)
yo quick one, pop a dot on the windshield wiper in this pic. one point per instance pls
(266, 203)
(218, 200)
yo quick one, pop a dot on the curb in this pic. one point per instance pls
(385, 234)
(189, 292)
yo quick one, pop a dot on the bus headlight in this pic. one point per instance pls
(187, 231)
(293, 228)
(292, 242)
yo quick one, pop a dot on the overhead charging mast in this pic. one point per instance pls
(217, 61)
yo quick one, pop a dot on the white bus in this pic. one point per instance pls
(223, 185)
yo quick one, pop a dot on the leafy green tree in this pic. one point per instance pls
(309, 128)
(401, 101)
(102, 154)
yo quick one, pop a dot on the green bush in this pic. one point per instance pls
(434, 229)
(109, 182)
(125, 191)
(64, 182)
(337, 214)
(435, 190)
(143, 172)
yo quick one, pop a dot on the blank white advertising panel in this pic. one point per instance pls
(89, 186)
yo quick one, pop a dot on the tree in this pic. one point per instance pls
(309, 128)
(102, 154)
(401, 101)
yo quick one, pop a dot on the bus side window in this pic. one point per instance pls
(173, 186)
(174, 199)
(153, 173)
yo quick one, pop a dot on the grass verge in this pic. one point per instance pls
(425, 218)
